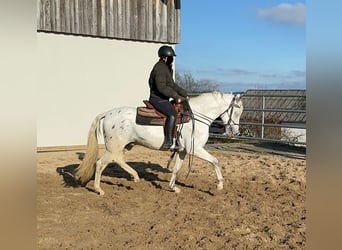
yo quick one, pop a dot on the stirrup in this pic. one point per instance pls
(175, 146)
(165, 146)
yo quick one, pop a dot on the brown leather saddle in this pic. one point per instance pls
(148, 115)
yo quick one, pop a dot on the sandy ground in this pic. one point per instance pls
(262, 205)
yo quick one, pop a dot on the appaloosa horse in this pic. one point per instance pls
(120, 132)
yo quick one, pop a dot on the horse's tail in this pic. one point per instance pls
(86, 169)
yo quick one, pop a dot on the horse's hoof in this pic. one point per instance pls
(220, 186)
(100, 192)
(176, 190)
(136, 179)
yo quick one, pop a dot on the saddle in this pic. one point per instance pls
(148, 115)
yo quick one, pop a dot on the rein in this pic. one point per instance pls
(192, 148)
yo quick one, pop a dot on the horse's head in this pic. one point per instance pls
(231, 117)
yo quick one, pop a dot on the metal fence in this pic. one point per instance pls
(263, 122)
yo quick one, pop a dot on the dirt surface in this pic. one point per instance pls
(262, 205)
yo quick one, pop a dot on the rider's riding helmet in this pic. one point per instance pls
(166, 51)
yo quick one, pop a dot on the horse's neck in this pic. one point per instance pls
(208, 105)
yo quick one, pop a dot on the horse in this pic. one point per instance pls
(120, 133)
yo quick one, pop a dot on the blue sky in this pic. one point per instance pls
(242, 45)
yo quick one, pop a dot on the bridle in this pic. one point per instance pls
(232, 106)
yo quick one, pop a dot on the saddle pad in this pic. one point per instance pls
(147, 116)
(148, 112)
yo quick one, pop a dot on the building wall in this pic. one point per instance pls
(143, 20)
(80, 77)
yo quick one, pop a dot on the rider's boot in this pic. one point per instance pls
(168, 143)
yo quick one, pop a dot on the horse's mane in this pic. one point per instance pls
(216, 95)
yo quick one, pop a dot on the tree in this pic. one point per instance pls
(188, 82)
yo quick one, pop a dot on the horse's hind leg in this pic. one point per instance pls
(101, 164)
(120, 160)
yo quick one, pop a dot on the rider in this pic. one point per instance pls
(162, 88)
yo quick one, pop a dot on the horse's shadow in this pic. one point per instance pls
(147, 171)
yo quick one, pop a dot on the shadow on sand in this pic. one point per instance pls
(147, 171)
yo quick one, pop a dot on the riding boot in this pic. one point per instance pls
(168, 140)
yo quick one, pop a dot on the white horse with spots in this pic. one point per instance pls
(120, 132)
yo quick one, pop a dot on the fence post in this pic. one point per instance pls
(263, 117)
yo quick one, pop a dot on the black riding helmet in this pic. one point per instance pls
(166, 51)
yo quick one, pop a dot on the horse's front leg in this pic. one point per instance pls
(203, 154)
(178, 164)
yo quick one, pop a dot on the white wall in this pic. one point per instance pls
(80, 77)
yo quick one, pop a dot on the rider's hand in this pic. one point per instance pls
(181, 99)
